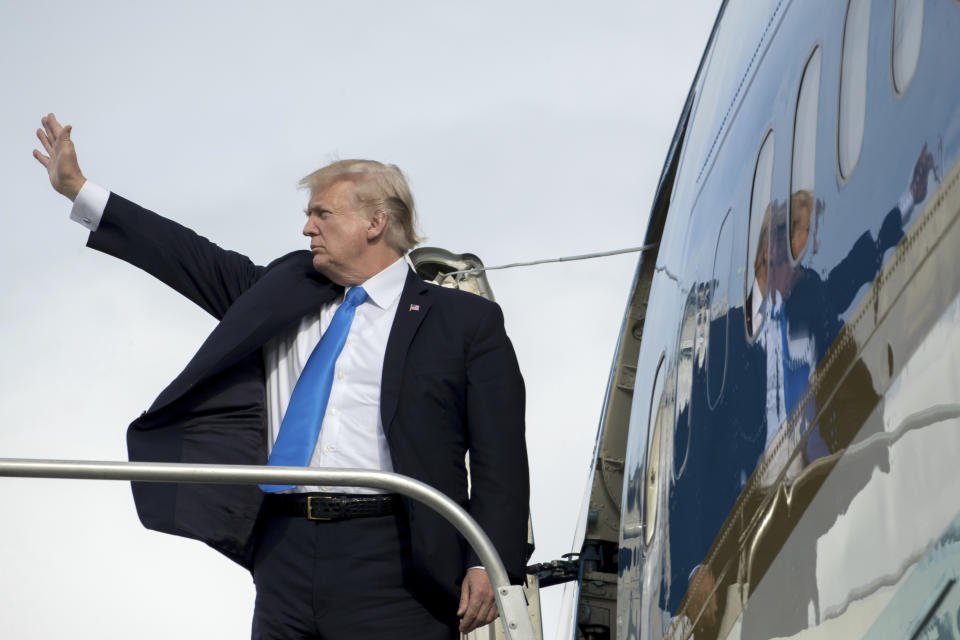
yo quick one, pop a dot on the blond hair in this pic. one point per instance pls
(382, 187)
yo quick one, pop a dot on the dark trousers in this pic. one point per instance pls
(337, 580)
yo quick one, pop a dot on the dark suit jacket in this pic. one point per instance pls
(450, 383)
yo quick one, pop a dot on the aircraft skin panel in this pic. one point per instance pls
(773, 405)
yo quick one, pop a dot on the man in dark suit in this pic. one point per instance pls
(425, 374)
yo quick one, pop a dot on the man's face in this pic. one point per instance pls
(338, 232)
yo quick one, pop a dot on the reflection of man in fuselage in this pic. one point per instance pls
(808, 320)
(794, 315)
(763, 306)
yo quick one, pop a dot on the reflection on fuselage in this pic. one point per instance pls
(850, 551)
(782, 348)
(802, 313)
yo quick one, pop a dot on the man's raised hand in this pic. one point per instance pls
(60, 159)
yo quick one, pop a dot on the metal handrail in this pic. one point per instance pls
(511, 602)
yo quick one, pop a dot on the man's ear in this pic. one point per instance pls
(378, 224)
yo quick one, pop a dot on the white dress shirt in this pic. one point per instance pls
(352, 434)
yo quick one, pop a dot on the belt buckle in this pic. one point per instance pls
(329, 504)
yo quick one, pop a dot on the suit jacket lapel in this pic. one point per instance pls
(414, 304)
(283, 295)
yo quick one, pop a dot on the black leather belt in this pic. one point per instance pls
(331, 506)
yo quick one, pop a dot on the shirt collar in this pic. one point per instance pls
(385, 288)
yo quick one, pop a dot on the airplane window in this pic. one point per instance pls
(853, 85)
(804, 156)
(907, 35)
(758, 245)
(652, 465)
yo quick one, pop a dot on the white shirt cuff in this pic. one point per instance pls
(906, 203)
(89, 205)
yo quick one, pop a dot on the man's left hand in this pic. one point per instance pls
(477, 603)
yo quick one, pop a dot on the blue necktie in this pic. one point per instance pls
(308, 402)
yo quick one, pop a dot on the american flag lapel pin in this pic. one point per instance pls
(414, 307)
